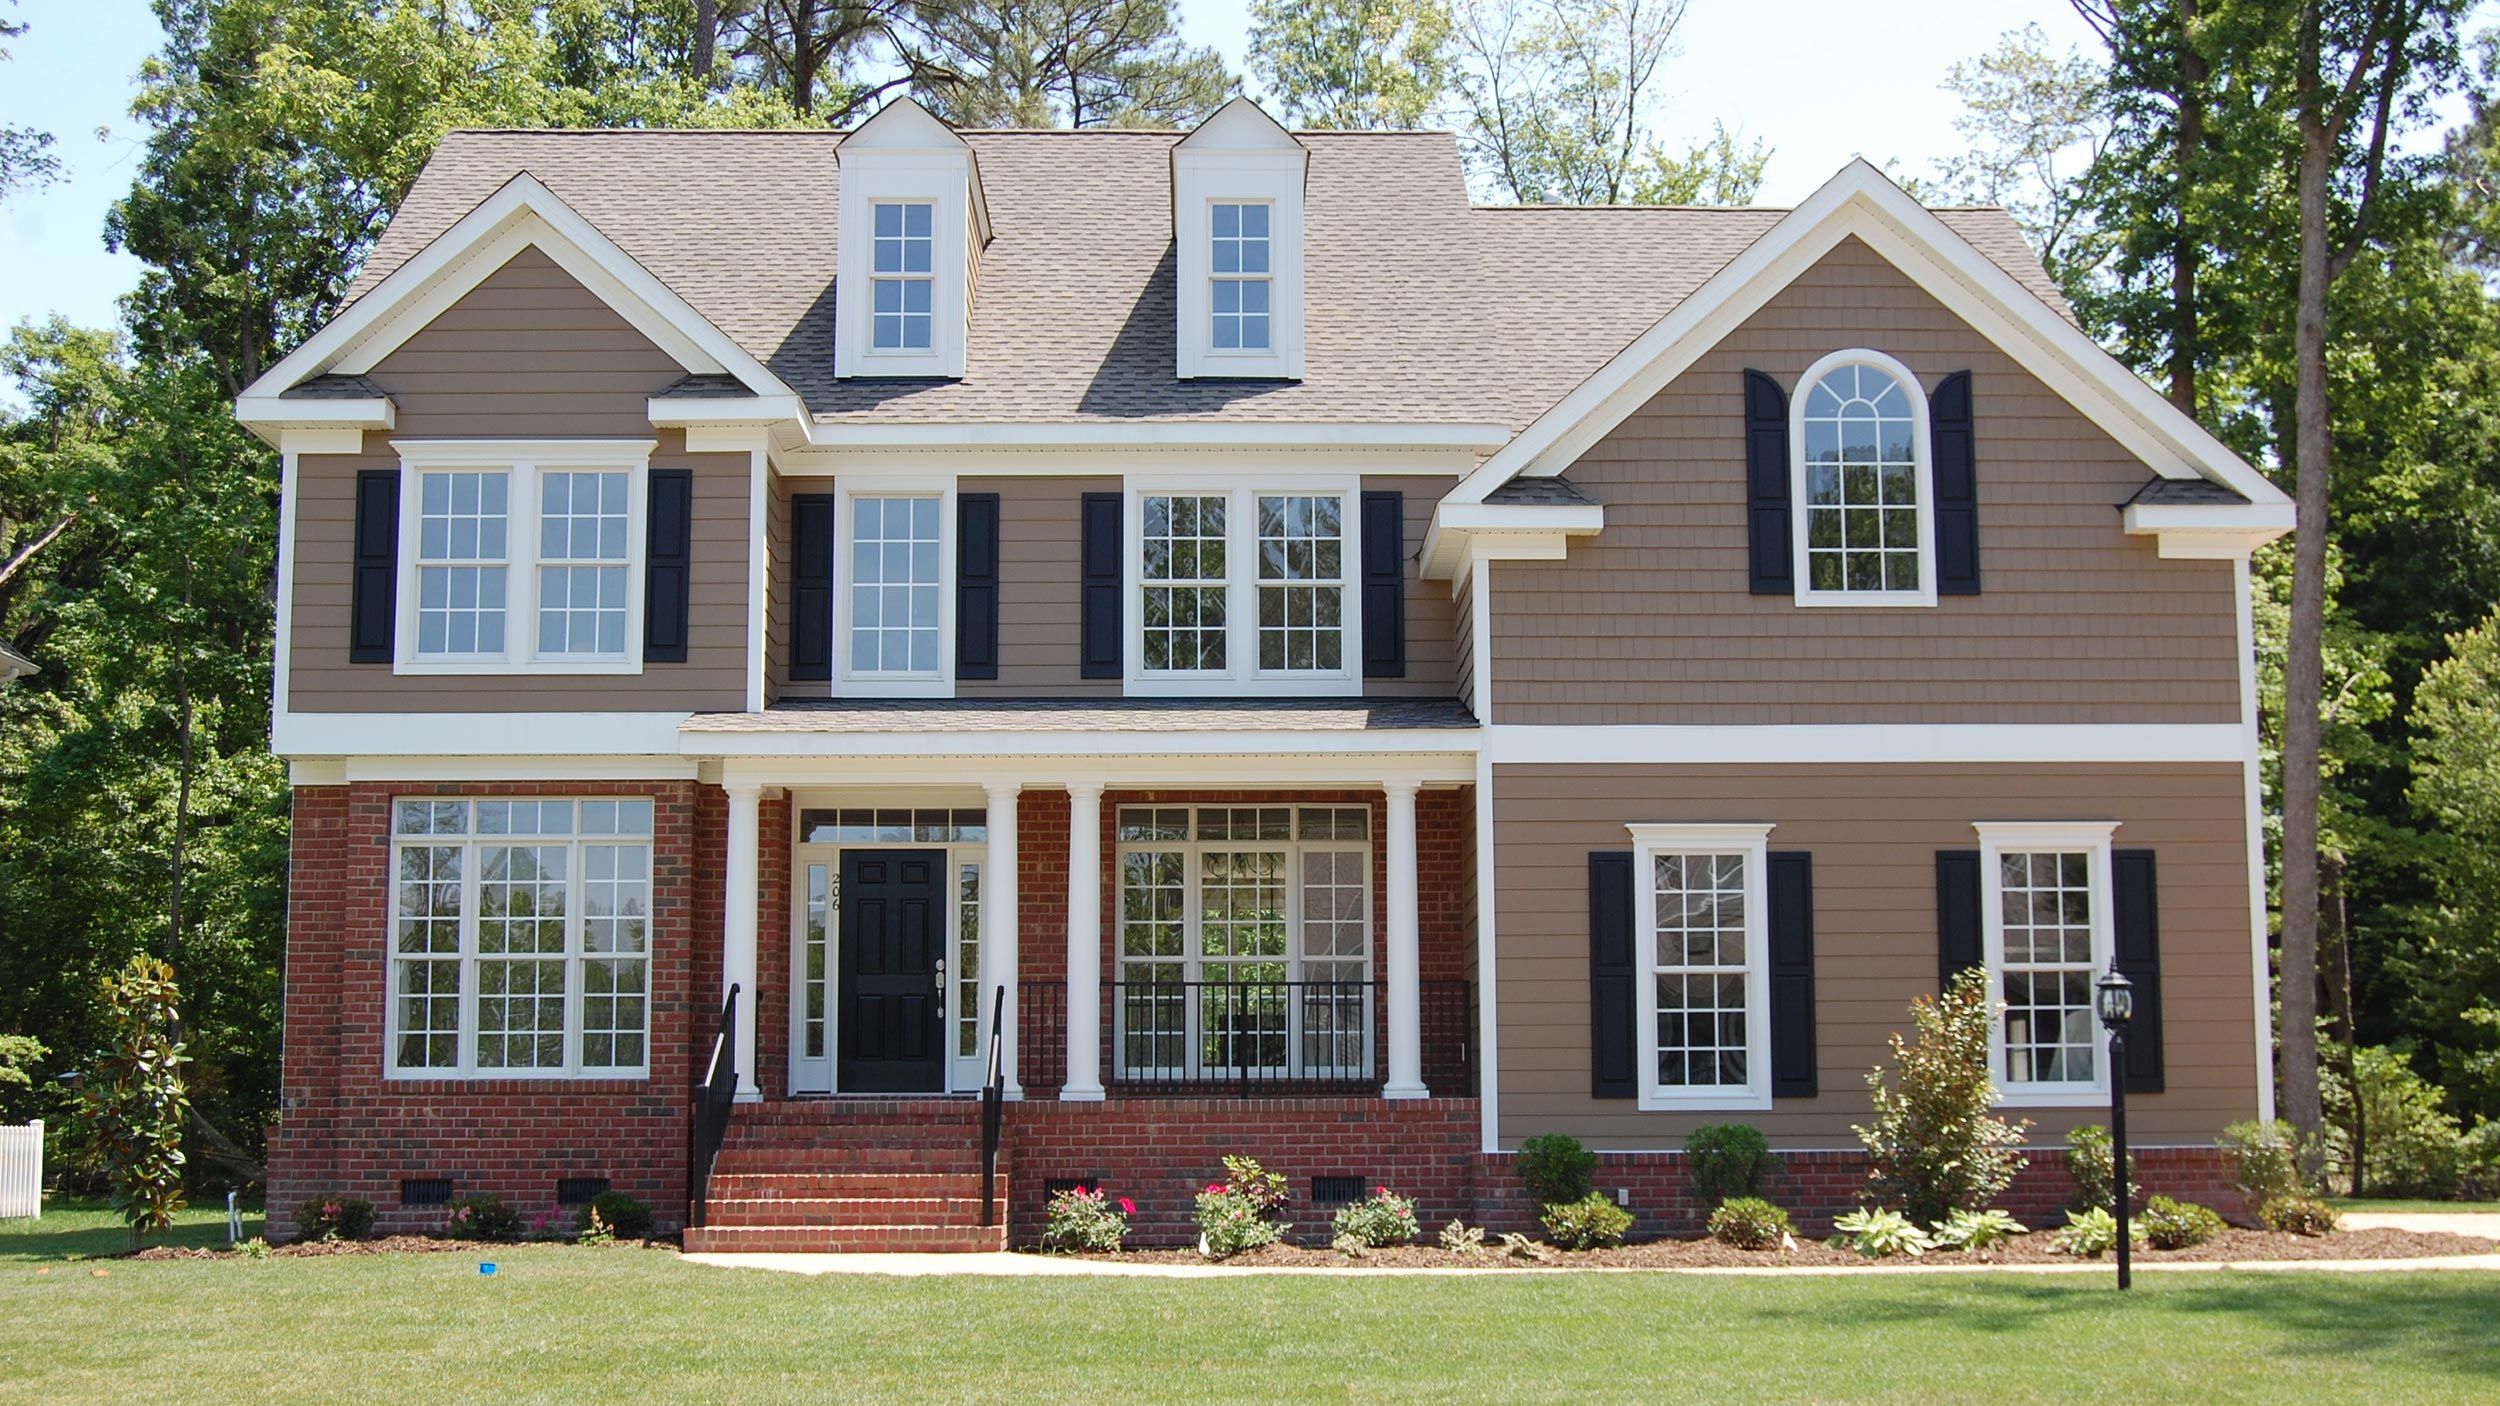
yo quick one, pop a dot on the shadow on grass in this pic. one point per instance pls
(91, 1230)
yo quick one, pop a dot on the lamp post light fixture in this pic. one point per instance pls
(2114, 999)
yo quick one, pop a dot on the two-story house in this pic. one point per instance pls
(1325, 671)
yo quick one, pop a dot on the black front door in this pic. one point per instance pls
(892, 1007)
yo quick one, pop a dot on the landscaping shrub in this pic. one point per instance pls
(2478, 1162)
(482, 1217)
(331, 1216)
(2178, 1225)
(2265, 1159)
(1881, 1234)
(1936, 1143)
(1239, 1212)
(1590, 1223)
(1460, 1238)
(1976, 1230)
(625, 1217)
(2410, 1143)
(1381, 1219)
(132, 1100)
(2088, 1158)
(1749, 1223)
(1557, 1168)
(1081, 1219)
(2093, 1232)
(1729, 1161)
(2299, 1215)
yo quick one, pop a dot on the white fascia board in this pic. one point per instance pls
(538, 768)
(1861, 201)
(1188, 748)
(686, 412)
(2208, 532)
(522, 213)
(271, 416)
(1840, 744)
(1274, 773)
(1178, 434)
(473, 734)
(1502, 532)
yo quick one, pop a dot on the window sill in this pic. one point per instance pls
(1738, 1102)
(2021, 1097)
(1866, 600)
(522, 667)
(463, 1081)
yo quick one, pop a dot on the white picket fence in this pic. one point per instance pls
(21, 1170)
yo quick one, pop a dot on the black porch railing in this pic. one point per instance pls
(714, 1097)
(1248, 1037)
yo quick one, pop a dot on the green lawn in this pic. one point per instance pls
(89, 1228)
(558, 1324)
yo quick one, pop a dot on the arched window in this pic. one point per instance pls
(1862, 484)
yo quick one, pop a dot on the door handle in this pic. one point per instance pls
(941, 973)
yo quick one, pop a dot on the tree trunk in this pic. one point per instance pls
(706, 37)
(2335, 952)
(2185, 253)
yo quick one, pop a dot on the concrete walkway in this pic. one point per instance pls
(2481, 1224)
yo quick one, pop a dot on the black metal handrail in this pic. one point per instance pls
(715, 1094)
(993, 1110)
(1251, 1036)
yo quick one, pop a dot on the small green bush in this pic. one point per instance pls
(2299, 1215)
(2088, 1158)
(1240, 1212)
(1881, 1234)
(2411, 1142)
(482, 1217)
(1557, 1168)
(1936, 1141)
(1973, 1231)
(1080, 1219)
(1381, 1219)
(2178, 1225)
(2478, 1162)
(2094, 1232)
(1590, 1223)
(1460, 1238)
(331, 1216)
(2265, 1159)
(1749, 1223)
(1729, 1161)
(625, 1217)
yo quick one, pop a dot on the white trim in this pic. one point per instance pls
(2207, 531)
(2093, 839)
(515, 734)
(522, 461)
(282, 643)
(1315, 748)
(759, 572)
(1830, 744)
(1238, 156)
(2252, 772)
(1157, 434)
(1752, 843)
(723, 412)
(1923, 457)
(1480, 637)
(889, 683)
(1502, 532)
(428, 769)
(315, 425)
(905, 156)
(1863, 202)
(1214, 771)
(316, 771)
(1241, 590)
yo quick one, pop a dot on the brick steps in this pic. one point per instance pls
(935, 1212)
(843, 1176)
(846, 1240)
(821, 1185)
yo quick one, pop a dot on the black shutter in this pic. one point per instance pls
(976, 586)
(1384, 585)
(1957, 487)
(1792, 974)
(1960, 940)
(1612, 1043)
(2137, 927)
(1766, 486)
(1100, 529)
(373, 612)
(811, 586)
(668, 566)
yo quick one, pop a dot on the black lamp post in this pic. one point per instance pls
(2116, 1004)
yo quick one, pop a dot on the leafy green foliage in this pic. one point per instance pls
(1354, 64)
(1976, 1231)
(2265, 1160)
(2094, 1232)
(1243, 1211)
(1460, 1238)
(1556, 1168)
(1749, 1223)
(2178, 1225)
(483, 1216)
(626, 1217)
(134, 1099)
(2299, 1215)
(1881, 1234)
(2455, 720)
(1381, 1219)
(1081, 1220)
(19, 1056)
(1064, 63)
(2478, 1162)
(2088, 1159)
(2408, 1141)
(1936, 1143)
(331, 1216)
(1591, 1223)
(1728, 1160)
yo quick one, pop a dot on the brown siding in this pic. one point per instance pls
(1873, 831)
(1463, 643)
(777, 683)
(1651, 621)
(1039, 580)
(1431, 631)
(528, 354)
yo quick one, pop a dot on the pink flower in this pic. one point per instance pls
(1215, 1188)
(1127, 1207)
(1384, 1191)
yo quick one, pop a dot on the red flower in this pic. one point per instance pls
(1127, 1207)
(1215, 1188)
(1384, 1191)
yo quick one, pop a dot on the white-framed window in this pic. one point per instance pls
(1862, 489)
(521, 556)
(894, 591)
(1246, 587)
(1701, 949)
(1244, 942)
(2045, 905)
(904, 264)
(1239, 293)
(520, 938)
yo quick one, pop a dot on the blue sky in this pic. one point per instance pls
(1834, 86)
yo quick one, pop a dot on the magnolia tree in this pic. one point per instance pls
(134, 1102)
(1936, 1144)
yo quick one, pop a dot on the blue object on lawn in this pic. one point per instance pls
(486, 1267)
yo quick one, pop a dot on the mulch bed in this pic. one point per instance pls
(386, 1245)
(2231, 1246)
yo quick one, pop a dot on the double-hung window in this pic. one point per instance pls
(895, 576)
(1864, 484)
(1239, 296)
(520, 938)
(1701, 942)
(525, 556)
(1245, 942)
(2046, 912)
(1244, 587)
(903, 271)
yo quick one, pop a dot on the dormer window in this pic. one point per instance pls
(1241, 293)
(1237, 238)
(904, 260)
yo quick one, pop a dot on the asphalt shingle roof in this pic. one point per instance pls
(2186, 492)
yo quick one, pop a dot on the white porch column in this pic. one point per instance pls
(1406, 1042)
(1084, 1083)
(998, 922)
(737, 959)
